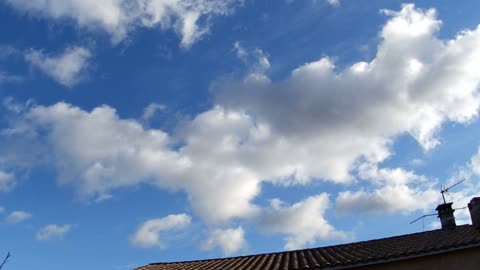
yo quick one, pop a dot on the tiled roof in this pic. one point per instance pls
(340, 256)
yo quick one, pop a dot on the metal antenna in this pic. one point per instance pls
(5, 260)
(444, 189)
(423, 219)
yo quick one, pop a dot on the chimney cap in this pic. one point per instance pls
(445, 206)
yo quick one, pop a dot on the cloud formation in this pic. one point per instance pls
(230, 241)
(190, 19)
(334, 2)
(6, 77)
(123, 153)
(394, 190)
(7, 181)
(303, 223)
(321, 123)
(67, 68)
(254, 58)
(52, 231)
(18, 216)
(148, 234)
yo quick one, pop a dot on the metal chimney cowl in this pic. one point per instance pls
(445, 213)
(474, 207)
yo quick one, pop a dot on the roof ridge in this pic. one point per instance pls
(307, 249)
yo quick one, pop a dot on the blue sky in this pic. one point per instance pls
(137, 131)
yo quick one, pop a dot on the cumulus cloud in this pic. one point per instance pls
(303, 223)
(18, 216)
(394, 190)
(67, 68)
(189, 18)
(123, 153)
(319, 123)
(148, 234)
(7, 181)
(52, 231)
(415, 83)
(230, 240)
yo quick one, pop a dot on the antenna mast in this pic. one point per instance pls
(444, 189)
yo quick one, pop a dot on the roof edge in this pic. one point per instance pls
(304, 249)
(402, 257)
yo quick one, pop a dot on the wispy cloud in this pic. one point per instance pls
(6, 77)
(18, 216)
(120, 17)
(148, 234)
(67, 68)
(151, 109)
(7, 181)
(52, 232)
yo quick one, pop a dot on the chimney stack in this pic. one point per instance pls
(474, 207)
(445, 213)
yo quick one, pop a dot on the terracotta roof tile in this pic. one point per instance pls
(353, 254)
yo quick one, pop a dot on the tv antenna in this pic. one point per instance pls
(423, 220)
(444, 189)
(5, 260)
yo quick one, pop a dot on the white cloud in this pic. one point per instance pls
(334, 2)
(67, 69)
(103, 197)
(395, 190)
(254, 58)
(148, 234)
(416, 162)
(151, 109)
(331, 2)
(123, 153)
(6, 77)
(7, 181)
(474, 163)
(230, 240)
(188, 18)
(7, 52)
(18, 216)
(415, 83)
(52, 231)
(320, 123)
(303, 223)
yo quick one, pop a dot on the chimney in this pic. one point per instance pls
(445, 213)
(474, 207)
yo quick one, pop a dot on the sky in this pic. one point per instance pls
(142, 131)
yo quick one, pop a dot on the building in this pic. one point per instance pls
(452, 247)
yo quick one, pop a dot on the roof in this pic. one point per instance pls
(340, 256)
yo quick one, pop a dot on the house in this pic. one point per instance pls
(452, 247)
